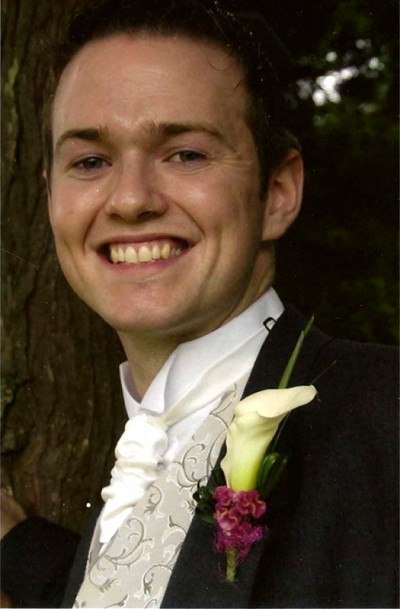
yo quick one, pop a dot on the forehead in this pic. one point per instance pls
(149, 74)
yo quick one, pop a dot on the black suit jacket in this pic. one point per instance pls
(332, 522)
(332, 539)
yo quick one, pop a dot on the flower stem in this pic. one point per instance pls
(231, 562)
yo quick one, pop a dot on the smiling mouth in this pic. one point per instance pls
(143, 254)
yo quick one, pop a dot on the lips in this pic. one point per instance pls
(143, 253)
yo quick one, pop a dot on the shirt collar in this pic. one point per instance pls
(189, 360)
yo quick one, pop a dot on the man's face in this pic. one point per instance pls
(154, 193)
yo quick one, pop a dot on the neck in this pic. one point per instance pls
(146, 357)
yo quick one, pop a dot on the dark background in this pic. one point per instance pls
(62, 409)
(340, 259)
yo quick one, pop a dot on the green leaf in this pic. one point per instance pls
(272, 469)
(274, 443)
(204, 496)
(283, 383)
(209, 518)
(265, 468)
(205, 503)
(275, 475)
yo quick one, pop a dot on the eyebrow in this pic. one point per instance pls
(88, 135)
(172, 129)
(157, 131)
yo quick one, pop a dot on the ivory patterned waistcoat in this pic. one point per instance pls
(134, 567)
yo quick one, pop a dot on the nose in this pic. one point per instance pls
(135, 194)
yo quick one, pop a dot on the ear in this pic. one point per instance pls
(283, 199)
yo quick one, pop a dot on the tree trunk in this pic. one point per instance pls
(62, 405)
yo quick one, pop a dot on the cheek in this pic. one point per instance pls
(71, 211)
(68, 231)
(223, 204)
(63, 221)
(241, 219)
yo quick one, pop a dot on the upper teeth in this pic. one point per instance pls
(131, 255)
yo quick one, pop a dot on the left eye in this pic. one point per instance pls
(90, 163)
(187, 156)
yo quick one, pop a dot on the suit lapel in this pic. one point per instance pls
(197, 580)
(277, 349)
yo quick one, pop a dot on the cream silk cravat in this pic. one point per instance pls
(139, 455)
(134, 567)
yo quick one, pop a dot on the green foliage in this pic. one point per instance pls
(203, 497)
(205, 503)
(340, 260)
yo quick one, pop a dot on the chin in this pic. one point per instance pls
(148, 323)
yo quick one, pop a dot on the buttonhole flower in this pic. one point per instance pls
(251, 467)
(256, 421)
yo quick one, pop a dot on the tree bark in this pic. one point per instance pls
(62, 405)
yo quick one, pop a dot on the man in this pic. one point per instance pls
(170, 174)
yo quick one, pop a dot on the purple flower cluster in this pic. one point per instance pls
(236, 515)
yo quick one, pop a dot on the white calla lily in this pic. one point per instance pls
(256, 420)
